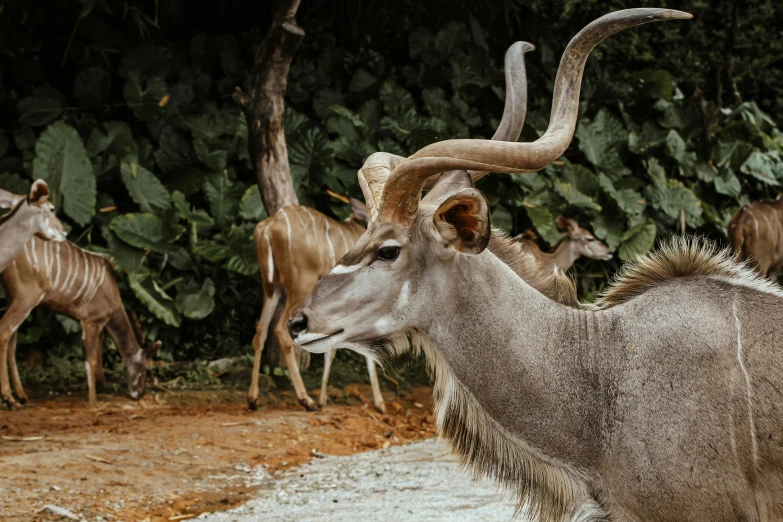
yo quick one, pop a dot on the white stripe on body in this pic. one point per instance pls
(35, 257)
(85, 277)
(329, 240)
(99, 280)
(754, 443)
(46, 258)
(270, 257)
(312, 221)
(288, 228)
(73, 268)
(57, 274)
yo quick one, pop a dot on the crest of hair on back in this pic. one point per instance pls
(678, 257)
(557, 286)
(544, 489)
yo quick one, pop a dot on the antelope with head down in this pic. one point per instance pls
(756, 234)
(576, 242)
(28, 217)
(298, 245)
(661, 403)
(71, 281)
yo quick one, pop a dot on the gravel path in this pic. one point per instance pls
(420, 481)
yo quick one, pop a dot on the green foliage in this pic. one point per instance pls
(130, 119)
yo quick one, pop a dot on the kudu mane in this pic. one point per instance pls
(681, 257)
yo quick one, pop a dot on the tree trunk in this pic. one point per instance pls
(264, 108)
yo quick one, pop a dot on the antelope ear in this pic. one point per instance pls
(463, 221)
(154, 349)
(9, 200)
(566, 225)
(359, 209)
(39, 193)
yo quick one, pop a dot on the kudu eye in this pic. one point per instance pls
(388, 253)
(590, 239)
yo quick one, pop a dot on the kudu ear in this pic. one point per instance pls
(39, 193)
(359, 209)
(9, 200)
(463, 221)
(566, 225)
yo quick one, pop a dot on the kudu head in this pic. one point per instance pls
(34, 213)
(136, 358)
(415, 249)
(581, 241)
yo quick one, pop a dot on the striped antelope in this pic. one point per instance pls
(756, 234)
(71, 281)
(298, 245)
(576, 242)
(661, 403)
(295, 248)
(29, 216)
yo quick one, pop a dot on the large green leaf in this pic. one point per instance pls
(765, 166)
(572, 195)
(609, 229)
(198, 217)
(61, 160)
(147, 231)
(144, 188)
(42, 107)
(224, 197)
(502, 219)
(197, 303)
(160, 305)
(543, 221)
(637, 240)
(599, 141)
(251, 207)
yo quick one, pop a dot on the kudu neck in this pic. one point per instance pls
(519, 355)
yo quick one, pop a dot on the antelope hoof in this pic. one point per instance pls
(322, 402)
(381, 408)
(10, 403)
(252, 404)
(23, 399)
(308, 404)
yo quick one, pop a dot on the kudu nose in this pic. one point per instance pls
(297, 324)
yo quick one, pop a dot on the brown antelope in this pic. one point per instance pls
(298, 245)
(71, 281)
(29, 216)
(295, 248)
(661, 403)
(756, 234)
(576, 243)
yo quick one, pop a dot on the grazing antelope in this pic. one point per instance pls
(29, 216)
(71, 281)
(298, 245)
(661, 403)
(756, 234)
(576, 243)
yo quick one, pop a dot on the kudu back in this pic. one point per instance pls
(659, 403)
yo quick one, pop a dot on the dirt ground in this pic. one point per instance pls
(175, 455)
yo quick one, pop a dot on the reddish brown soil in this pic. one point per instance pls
(175, 455)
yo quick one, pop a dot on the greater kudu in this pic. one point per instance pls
(29, 216)
(661, 404)
(756, 234)
(576, 242)
(298, 245)
(71, 281)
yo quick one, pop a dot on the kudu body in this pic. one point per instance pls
(756, 235)
(661, 403)
(29, 216)
(295, 248)
(576, 243)
(71, 281)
